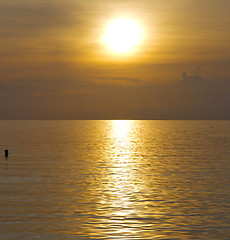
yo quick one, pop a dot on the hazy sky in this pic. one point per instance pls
(55, 65)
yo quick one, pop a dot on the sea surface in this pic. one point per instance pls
(116, 179)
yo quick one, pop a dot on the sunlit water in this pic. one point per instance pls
(115, 180)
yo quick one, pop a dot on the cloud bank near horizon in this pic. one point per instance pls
(192, 97)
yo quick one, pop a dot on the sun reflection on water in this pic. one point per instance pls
(121, 183)
(121, 128)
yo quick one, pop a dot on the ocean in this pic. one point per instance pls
(117, 179)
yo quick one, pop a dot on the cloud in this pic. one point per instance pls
(113, 81)
(190, 98)
(25, 18)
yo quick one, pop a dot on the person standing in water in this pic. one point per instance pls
(6, 153)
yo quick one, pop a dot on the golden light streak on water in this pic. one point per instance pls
(120, 179)
(124, 183)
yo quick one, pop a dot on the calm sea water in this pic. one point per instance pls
(115, 180)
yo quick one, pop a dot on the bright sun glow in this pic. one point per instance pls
(122, 35)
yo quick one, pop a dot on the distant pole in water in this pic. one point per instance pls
(6, 153)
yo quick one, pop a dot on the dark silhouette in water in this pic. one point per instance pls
(6, 153)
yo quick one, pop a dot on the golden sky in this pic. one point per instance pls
(55, 48)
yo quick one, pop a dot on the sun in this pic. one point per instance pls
(122, 35)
